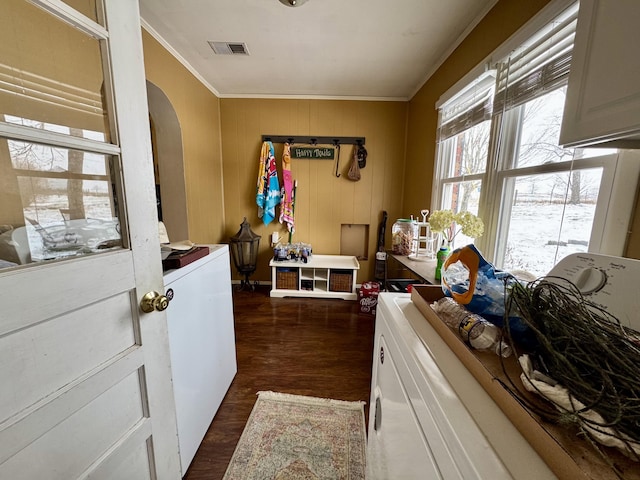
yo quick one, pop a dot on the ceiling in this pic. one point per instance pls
(351, 49)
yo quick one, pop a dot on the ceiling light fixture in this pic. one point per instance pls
(293, 3)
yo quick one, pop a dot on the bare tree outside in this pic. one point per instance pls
(539, 146)
(74, 185)
(470, 158)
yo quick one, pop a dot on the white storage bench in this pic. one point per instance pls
(326, 276)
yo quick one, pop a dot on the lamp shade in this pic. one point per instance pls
(244, 248)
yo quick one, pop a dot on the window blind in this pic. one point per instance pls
(538, 67)
(470, 107)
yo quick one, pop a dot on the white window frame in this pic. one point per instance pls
(620, 173)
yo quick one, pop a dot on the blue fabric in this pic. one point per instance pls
(489, 297)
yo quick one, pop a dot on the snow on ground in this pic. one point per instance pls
(535, 228)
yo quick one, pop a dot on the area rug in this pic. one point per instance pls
(290, 437)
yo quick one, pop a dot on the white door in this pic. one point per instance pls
(86, 378)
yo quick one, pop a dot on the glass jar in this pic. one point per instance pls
(403, 234)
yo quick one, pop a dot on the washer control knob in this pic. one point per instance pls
(590, 280)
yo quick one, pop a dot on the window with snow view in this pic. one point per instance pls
(499, 158)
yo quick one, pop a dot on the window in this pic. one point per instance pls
(547, 195)
(539, 201)
(59, 163)
(464, 148)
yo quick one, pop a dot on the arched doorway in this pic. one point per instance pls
(167, 143)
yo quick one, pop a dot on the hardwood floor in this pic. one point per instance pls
(316, 347)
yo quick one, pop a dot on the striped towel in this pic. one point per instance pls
(286, 204)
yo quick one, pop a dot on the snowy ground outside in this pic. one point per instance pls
(534, 229)
(45, 210)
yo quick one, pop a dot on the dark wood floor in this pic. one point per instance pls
(316, 347)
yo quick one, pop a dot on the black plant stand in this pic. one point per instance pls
(246, 283)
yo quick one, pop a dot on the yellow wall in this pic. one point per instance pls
(198, 113)
(323, 202)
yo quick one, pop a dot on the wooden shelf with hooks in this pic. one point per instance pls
(313, 140)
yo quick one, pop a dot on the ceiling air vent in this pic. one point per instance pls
(229, 48)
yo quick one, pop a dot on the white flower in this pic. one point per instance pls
(471, 225)
(444, 221)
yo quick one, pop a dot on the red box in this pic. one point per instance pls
(368, 297)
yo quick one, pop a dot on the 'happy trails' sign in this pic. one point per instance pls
(313, 153)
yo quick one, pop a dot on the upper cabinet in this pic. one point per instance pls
(602, 106)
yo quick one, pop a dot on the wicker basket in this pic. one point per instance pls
(341, 281)
(287, 278)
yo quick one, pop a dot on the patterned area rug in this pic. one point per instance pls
(290, 437)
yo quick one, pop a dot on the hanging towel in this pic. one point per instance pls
(286, 203)
(268, 190)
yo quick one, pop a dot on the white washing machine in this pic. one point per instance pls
(429, 417)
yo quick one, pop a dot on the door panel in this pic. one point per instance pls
(19, 431)
(55, 288)
(134, 467)
(90, 336)
(113, 414)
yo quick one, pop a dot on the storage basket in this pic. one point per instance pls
(341, 280)
(287, 278)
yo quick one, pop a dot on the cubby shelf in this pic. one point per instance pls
(326, 276)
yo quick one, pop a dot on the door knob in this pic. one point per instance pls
(154, 301)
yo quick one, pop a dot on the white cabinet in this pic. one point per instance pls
(428, 416)
(328, 276)
(603, 96)
(202, 344)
